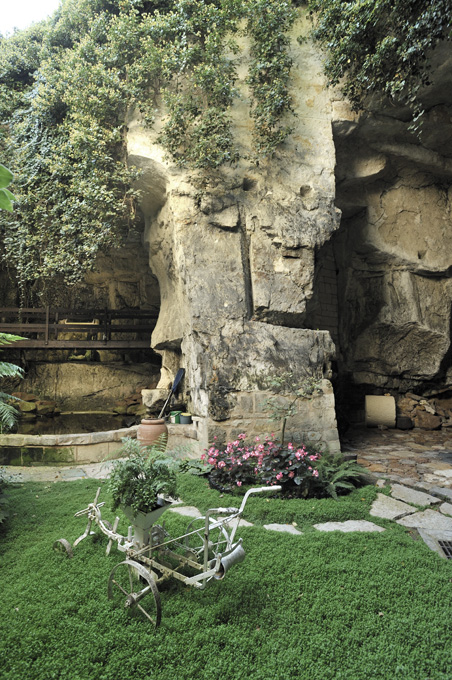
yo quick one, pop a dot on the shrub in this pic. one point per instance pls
(300, 472)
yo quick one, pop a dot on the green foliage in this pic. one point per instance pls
(139, 480)
(300, 472)
(338, 476)
(8, 414)
(66, 87)
(6, 197)
(269, 72)
(381, 46)
(4, 505)
(354, 596)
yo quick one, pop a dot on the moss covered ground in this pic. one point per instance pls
(313, 607)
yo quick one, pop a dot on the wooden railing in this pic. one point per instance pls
(96, 328)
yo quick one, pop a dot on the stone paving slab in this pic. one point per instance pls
(443, 473)
(238, 521)
(431, 539)
(186, 510)
(429, 520)
(441, 492)
(446, 509)
(350, 525)
(389, 508)
(287, 528)
(401, 493)
(53, 473)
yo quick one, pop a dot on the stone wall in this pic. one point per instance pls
(323, 307)
(314, 424)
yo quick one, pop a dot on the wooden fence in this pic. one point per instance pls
(49, 328)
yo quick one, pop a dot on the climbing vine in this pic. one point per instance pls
(269, 72)
(66, 87)
(381, 46)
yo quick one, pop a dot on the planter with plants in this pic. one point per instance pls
(143, 485)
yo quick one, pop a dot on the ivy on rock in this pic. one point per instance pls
(381, 46)
(66, 86)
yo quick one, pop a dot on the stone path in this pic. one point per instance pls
(417, 464)
(415, 458)
(404, 505)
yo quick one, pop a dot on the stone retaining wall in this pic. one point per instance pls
(92, 447)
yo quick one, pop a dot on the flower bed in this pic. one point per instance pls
(300, 471)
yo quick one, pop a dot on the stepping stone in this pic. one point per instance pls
(443, 493)
(431, 539)
(350, 525)
(186, 510)
(388, 508)
(402, 493)
(429, 520)
(443, 473)
(233, 523)
(288, 528)
(446, 509)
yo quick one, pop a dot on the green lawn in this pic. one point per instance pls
(311, 607)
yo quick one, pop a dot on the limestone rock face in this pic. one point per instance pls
(88, 386)
(235, 262)
(393, 250)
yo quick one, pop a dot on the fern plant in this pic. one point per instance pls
(338, 476)
(144, 475)
(8, 413)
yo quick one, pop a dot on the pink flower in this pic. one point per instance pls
(211, 460)
(315, 473)
(291, 474)
(221, 464)
(279, 476)
(290, 446)
(239, 483)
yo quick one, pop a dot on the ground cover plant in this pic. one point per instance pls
(310, 607)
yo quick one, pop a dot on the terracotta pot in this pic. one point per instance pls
(149, 431)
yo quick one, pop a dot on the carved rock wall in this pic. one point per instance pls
(393, 250)
(235, 264)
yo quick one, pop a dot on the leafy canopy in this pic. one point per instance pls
(381, 46)
(66, 86)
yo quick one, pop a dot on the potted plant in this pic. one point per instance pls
(143, 485)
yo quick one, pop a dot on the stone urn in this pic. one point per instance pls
(152, 429)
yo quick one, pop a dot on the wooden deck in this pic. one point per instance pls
(49, 328)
